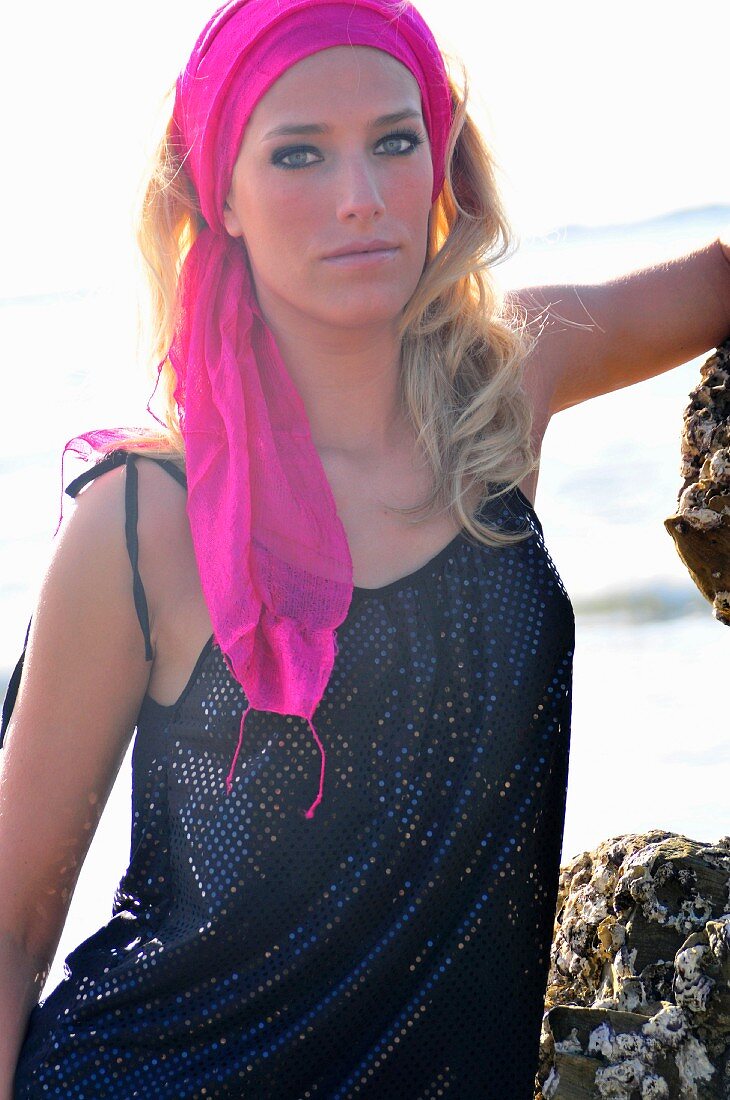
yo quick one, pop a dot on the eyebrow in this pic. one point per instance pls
(289, 130)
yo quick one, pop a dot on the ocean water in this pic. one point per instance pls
(649, 744)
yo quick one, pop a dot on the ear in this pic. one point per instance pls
(231, 221)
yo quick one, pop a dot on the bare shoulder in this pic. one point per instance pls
(179, 623)
(162, 518)
(162, 524)
(97, 523)
(92, 543)
(86, 590)
(83, 680)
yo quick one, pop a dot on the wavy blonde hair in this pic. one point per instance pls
(463, 348)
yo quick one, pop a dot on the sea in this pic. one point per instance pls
(650, 746)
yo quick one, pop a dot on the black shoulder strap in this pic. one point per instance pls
(131, 505)
(131, 501)
(116, 458)
(131, 510)
(119, 458)
(172, 469)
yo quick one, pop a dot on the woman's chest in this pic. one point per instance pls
(461, 673)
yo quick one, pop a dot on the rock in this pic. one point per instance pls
(638, 995)
(701, 526)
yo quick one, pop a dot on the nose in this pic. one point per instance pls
(359, 194)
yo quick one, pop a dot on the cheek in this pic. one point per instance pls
(290, 211)
(277, 221)
(411, 209)
(281, 253)
(409, 199)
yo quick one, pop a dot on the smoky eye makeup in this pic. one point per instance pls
(295, 155)
(303, 156)
(413, 138)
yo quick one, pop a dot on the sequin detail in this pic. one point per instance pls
(397, 944)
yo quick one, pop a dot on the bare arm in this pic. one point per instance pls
(599, 338)
(83, 681)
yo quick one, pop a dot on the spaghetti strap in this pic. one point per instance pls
(172, 469)
(119, 458)
(131, 504)
(116, 458)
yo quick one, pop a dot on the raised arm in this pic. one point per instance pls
(598, 338)
(84, 678)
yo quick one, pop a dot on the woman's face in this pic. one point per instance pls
(335, 160)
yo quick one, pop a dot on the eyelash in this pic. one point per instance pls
(415, 139)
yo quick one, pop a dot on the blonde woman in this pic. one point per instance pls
(321, 595)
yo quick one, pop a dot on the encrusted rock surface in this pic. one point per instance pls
(701, 526)
(638, 997)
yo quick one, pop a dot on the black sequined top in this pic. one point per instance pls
(397, 944)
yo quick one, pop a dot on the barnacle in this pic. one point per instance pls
(638, 996)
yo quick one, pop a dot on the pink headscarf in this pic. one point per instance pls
(272, 554)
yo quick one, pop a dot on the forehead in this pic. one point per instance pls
(338, 78)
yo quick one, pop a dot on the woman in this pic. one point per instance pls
(352, 725)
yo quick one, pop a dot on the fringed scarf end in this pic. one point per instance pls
(229, 777)
(310, 812)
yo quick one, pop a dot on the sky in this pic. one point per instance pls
(598, 113)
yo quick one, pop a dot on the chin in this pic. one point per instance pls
(364, 315)
(365, 306)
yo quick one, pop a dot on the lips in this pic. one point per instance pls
(359, 247)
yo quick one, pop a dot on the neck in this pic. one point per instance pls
(348, 381)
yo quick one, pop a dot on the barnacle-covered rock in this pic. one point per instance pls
(701, 526)
(638, 997)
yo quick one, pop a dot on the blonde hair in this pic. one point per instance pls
(463, 349)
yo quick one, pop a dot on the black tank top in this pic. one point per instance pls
(397, 944)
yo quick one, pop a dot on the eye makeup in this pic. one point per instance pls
(280, 156)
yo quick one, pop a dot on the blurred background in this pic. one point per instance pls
(607, 121)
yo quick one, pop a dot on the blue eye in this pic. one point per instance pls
(399, 144)
(295, 157)
(395, 143)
